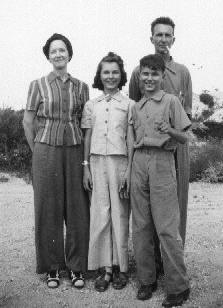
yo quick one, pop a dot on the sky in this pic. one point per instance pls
(96, 27)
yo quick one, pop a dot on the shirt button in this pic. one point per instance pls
(106, 109)
(106, 121)
(105, 135)
(145, 135)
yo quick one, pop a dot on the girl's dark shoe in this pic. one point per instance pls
(102, 282)
(53, 279)
(119, 280)
(173, 300)
(77, 279)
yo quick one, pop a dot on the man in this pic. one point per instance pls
(176, 81)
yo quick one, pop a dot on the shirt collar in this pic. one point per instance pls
(170, 66)
(156, 98)
(52, 76)
(116, 96)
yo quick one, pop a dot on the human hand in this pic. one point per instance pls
(124, 186)
(87, 179)
(163, 127)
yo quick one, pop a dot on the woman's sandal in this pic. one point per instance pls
(53, 279)
(77, 279)
(101, 284)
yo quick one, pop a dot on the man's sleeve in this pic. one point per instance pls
(134, 88)
(188, 93)
(178, 117)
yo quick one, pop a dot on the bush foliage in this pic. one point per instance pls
(206, 161)
(15, 154)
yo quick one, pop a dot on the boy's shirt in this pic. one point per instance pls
(162, 106)
(108, 119)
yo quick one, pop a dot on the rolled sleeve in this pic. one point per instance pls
(86, 121)
(33, 99)
(178, 117)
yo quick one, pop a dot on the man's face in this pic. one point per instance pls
(151, 79)
(162, 38)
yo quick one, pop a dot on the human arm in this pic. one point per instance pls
(165, 128)
(188, 98)
(125, 182)
(28, 125)
(87, 179)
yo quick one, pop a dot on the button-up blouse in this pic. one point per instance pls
(58, 106)
(108, 117)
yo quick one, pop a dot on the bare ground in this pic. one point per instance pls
(21, 287)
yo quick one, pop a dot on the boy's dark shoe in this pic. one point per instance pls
(173, 300)
(146, 290)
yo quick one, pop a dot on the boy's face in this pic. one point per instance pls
(151, 79)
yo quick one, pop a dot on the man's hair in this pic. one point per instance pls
(164, 21)
(111, 57)
(154, 62)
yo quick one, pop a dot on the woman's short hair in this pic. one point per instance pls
(154, 61)
(111, 57)
(54, 37)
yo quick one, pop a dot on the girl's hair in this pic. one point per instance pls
(111, 57)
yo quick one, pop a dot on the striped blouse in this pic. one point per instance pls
(58, 106)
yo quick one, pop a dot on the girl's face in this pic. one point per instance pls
(58, 55)
(110, 76)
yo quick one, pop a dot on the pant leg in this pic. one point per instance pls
(165, 211)
(142, 223)
(48, 185)
(100, 244)
(116, 166)
(76, 210)
(183, 175)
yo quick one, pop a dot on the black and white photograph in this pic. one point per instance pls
(111, 154)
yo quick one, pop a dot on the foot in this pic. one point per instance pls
(173, 300)
(77, 279)
(102, 282)
(53, 279)
(146, 291)
(119, 280)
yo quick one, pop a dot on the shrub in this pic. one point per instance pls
(205, 159)
(15, 154)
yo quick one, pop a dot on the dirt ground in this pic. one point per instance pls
(21, 287)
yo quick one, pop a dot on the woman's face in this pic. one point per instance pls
(58, 55)
(110, 76)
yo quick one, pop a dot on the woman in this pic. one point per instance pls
(109, 145)
(54, 105)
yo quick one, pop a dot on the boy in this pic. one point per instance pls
(159, 122)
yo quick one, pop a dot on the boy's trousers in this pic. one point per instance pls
(109, 215)
(155, 204)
